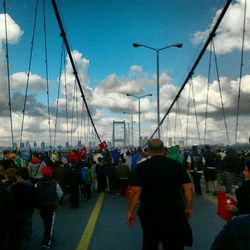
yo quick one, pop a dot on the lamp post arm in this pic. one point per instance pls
(177, 45)
(146, 46)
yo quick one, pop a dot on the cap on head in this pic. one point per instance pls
(47, 171)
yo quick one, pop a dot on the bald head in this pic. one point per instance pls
(155, 146)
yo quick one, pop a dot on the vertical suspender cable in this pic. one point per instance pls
(241, 67)
(63, 34)
(175, 125)
(195, 112)
(178, 110)
(8, 73)
(66, 95)
(169, 130)
(188, 105)
(89, 131)
(208, 83)
(82, 120)
(77, 119)
(46, 68)
(73, 112)
(28, 73)
(85, 127)
(58, 95)
(221, 99)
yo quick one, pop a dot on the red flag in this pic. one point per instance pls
(224, 200)
(103, 145)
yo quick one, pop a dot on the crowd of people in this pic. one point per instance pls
(49, 179)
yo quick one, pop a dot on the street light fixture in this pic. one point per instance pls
(139, 112)
(176, 45)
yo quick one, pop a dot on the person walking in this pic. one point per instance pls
(24, 201)
(195, 165)
(74, 183)
(163, 190)
(210, 172)
(35, 167)
(49, 193)
(123, 175)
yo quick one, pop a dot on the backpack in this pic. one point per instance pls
(84, 173)
(196, 162)
(47, 192)
(86, 176)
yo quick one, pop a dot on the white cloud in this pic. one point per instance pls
(136, 68)
(19, 81)
(113, 83)
(14, 31)
(229, 34)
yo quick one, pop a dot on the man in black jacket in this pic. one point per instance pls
(49, 193)
(164, 190)
(24, 201)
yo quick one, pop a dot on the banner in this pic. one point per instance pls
(103, 145)
(224, 201)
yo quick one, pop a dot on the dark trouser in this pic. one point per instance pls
(169, 230)
(48, 215)
(74, 196)
(102, 182)
(20, 231)
(197, 182)
(4, 231)
(86, 191)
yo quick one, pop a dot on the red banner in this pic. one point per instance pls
(224, 202)
(103, 145)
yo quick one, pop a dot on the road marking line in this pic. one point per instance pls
(87, 234)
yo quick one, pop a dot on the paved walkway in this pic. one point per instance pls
(111, 232)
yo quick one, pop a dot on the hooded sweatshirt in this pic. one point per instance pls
(174, 154)
(35, 166)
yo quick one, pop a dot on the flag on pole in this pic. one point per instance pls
(103, 145)
(224, 201)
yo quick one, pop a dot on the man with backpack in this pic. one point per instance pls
(195, 165)
(49, 193)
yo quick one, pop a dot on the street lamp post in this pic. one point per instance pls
(177, 45)
(139, 112)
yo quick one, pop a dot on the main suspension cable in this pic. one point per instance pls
(63, 35)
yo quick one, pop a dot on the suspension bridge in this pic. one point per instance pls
(201, 105)
(53, 105)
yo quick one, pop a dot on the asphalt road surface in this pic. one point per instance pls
(100, 224)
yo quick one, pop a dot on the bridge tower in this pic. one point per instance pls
(119, 133)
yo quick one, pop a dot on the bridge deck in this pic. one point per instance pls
(110, 230)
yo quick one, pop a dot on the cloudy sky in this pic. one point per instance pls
(100, 35)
